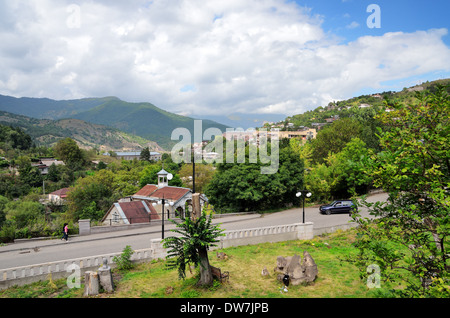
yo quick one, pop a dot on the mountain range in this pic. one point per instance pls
(112, 124)
(144, 120)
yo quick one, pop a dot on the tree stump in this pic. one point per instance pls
(91, 283)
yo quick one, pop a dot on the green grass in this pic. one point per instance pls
(336, 278)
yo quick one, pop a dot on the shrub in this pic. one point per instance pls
(123, 261)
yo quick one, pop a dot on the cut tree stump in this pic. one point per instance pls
(91, 283)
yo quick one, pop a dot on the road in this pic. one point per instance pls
(35, 252)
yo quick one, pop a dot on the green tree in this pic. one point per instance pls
(408, 238)
(98, 188)
(28, 174)
(203, 175)
(197, 236)
(68, 151)
(3, 202)
(24, 213)
(333, 138)
(242, 187)
(145, 154)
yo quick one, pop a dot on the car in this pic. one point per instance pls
(339, 206)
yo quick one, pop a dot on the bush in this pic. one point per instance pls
(123, 261)
(7, 233)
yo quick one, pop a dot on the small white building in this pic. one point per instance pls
(58, 197)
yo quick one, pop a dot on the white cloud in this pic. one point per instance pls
(199, 57)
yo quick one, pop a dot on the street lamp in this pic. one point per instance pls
(304, 194)
(162, 201)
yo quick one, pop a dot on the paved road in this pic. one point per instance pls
(35, 252)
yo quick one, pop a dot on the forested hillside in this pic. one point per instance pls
(46, 132)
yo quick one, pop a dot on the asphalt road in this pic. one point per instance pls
(30, 252)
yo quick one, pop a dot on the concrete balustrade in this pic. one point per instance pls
(60, 269)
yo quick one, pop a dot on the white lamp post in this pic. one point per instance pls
(304, 194)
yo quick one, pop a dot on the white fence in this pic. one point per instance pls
(61, 269)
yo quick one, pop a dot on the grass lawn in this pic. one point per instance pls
(336, 278)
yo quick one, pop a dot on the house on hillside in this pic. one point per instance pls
(45, 163)
(58, 197)
(130, 212)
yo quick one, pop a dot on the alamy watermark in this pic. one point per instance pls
(374, 279)
(374, 20)
(73, 21)
(258, 141)
(74, 279)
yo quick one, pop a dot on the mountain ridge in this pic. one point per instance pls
(46, 132)
(141, 119)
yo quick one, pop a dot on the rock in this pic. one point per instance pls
(310, 266)
(222, 255)
(265, 272)
(169, 290)
(298, 272)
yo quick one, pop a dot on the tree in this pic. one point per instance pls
(333, 138)
(197, 236)
(203, 175)
(242, 187)
(28, 174)
(150, 176)
(408, 238)
(68, 151)
(97, 189)
(145, 154)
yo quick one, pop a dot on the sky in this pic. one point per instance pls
(217, 57)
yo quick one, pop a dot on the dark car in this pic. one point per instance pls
(338, 206)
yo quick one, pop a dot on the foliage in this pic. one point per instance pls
(68, 151)
(27, 174)
(333, 138)
(14, 137)
(97, 188)
(203, 175)
(150, 174)
(242, 187)
(24, 213)
(123, 261)
(196, 236)
(145, 154)
(414, 169)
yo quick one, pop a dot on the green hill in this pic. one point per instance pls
(141, 119)
(46, 132)
(340, 108)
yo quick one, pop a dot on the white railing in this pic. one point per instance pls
(60, 269)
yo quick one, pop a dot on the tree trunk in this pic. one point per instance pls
(91, 284)
(206, 277)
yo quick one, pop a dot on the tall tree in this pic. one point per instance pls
(408, 238)
(145, 154)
